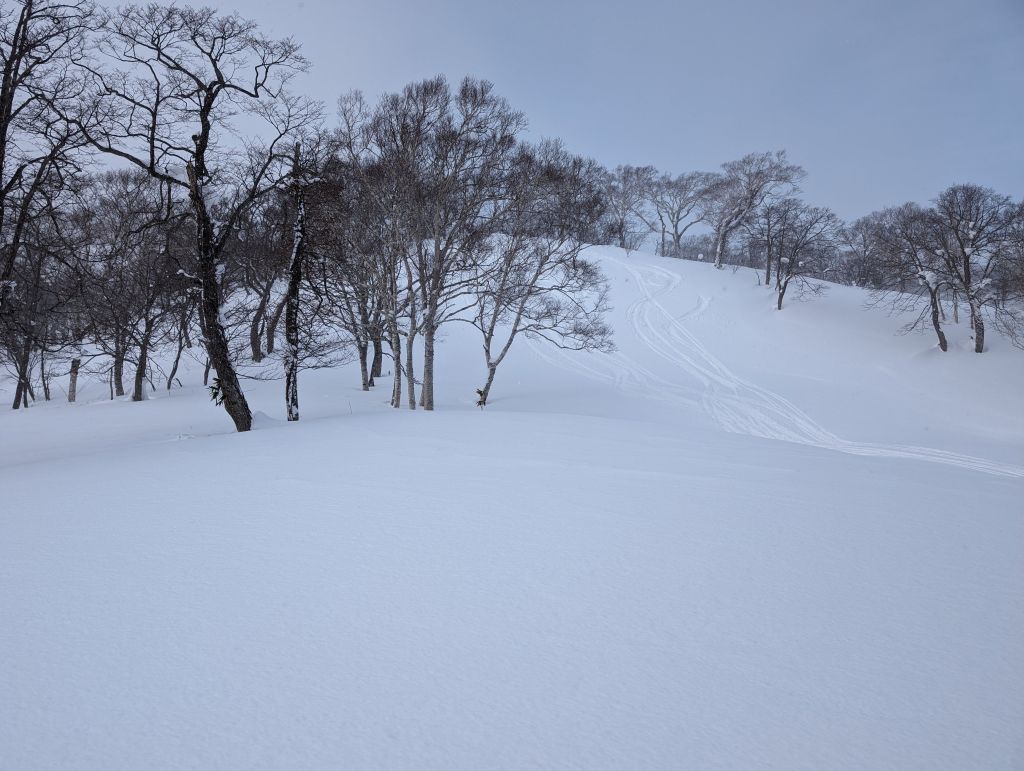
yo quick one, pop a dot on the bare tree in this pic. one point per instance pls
(627, 191)
(128, 270)
(448, 153)
(806, 238)
(742, 187)
(905, 239)
(180, 76)
(373, 234)
(535, 282)
(861, 261)
(291, 314)
(676, 202)
(38, 41)
(973, 230)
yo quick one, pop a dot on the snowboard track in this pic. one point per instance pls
(733, 403)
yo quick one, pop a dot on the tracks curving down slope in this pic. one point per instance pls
(733, 403)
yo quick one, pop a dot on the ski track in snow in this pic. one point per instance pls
(736, 405)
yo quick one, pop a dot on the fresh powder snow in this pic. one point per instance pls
(745, 538)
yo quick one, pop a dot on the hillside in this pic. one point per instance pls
(745, 538)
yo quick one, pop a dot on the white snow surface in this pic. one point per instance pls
(746, 539)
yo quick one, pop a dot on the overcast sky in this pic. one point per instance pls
(882, 101)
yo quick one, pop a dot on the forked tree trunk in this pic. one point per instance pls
(275, 319)
(24, 387)
(177, 361)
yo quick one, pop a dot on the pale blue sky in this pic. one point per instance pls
(882, 101)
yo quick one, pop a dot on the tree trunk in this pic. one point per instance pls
(215, 337)
(933, 297)
(410, 370)
(396, 356)
(364, 367)
(378, 358)
(44, 376)
(177, 361)
(429, 333)
(782, 293)
(256, 326)
(979, 330)
(76, 364)
(719, 249)
(275, 319)
(22, 371)
(117, 374)
(139, 390)
(486, 390)
(291, 314)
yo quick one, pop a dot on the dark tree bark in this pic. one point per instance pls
(291, 314)
(216, 339)
(933, 297)
(257, 323)
(378, 358)
(117, 373)
(139, 390)
(272, 322)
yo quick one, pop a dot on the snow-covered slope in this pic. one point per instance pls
(745, 539)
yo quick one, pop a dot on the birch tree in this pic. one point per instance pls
(733, 195)
(676, 202)
(627, 192)
(535, 282)
(973, 229)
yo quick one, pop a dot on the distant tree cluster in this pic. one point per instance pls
(163, 189)
(967, 248)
